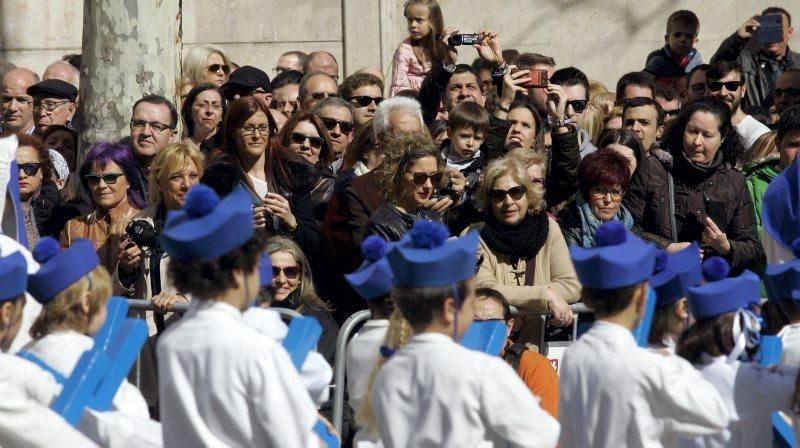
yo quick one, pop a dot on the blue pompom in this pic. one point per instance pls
(611, 233)
(796, 248)
(200, 201)
(661, 262)
(428, 234)
(716, 268)
(46, 249)
(386, 352)
(374, 248)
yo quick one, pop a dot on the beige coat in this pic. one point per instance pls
(553, 271)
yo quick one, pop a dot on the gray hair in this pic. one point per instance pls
(332, 101)
(380, 122)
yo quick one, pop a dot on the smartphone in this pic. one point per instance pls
(716, 210)
(538, 78)
(771, 29)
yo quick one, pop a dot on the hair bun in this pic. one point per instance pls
(611, 233)
(428, 234)
(374, 248)
(46, 249)
(715, 269)
(200, 201)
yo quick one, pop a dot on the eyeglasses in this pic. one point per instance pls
(600, 193)
(364, 101)
(291, 272)
(109, 178)
(698, 88)
(250, 129)
(421, 178)
(330, 124)
(314, 142)
(214, 68)
(140, 125)
(47, 105)
(216, 107)
(320, 95)
(516, 193)
(30, 168)
(230, 91)
(731, 86)
(577, 105)
(791, 91)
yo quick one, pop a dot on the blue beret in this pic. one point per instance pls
(208, 227)
(682, 270)
(724, 296)
(425, 258)
(13, 276)
(374, 277)
(624, 261)
(60, 269)
(780, 207)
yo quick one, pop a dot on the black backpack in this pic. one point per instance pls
(513, 355)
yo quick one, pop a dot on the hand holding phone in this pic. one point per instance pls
(770, 30)
(538, 78)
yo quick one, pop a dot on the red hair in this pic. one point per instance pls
(604, 167)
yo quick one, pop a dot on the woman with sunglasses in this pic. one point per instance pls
(305, 135)
(206, 63)
(38, 194)
(410, 178)
(106, 173)
(522, 252)
(279, 181)
(604, 178)
(202, 113)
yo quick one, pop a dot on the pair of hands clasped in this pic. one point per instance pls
(277, 205)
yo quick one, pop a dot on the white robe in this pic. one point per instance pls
(363, 352)
(436, 393)
(751, 393)
(315, 373)
(26, 392)
(613, 394)
(224, 384)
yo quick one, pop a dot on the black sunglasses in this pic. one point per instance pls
(791, 91)
(292, 272)
(320, 95)
(364, 101)
(716, 86)
(516, 193)
(314, 142)
(330, 124)
(577, 105)
(108, 178)
(30, 168)
(421, 178)
(213, 68)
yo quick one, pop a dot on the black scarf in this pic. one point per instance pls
(518, 242)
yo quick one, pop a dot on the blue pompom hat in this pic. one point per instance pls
(783, 280)
(425, 258)
(721, 294)
(619, 260)
(13, 276)
(681, 271)
(780, 208)
(59, 269)
(373, 279)
(208, 227)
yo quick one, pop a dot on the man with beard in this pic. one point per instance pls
(725, 80)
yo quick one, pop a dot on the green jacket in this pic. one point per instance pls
(759, 177)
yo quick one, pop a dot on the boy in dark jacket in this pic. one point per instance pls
(678, 56)
(467, 127)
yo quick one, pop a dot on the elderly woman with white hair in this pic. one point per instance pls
(206, 63)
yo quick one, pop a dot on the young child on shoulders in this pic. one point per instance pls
(417, 54)
(678, 57)
(612, 392)
(434, 392)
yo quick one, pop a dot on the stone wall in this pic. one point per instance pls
(604, 38)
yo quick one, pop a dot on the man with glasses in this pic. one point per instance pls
(321, 62)
(54, 103)
(337, 116)
(364, 91)
(787, 90)
(285, 92)
(17, 104)
(575, 87)
(669, 100)
(644, 117)
(313, 88)
(153, 126)
(725, 80)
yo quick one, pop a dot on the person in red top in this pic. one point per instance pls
(535, 370)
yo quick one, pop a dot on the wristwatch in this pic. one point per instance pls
(500, 70)
(560, 123)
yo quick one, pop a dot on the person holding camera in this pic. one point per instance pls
(772, 57)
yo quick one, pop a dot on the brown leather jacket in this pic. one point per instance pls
(105, 229)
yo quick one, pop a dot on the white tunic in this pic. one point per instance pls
(751, 393)
(224, 384)
(790, 337)
(26, 392)
(750, 129)
(32, 308)
(363, 352)
(614, 394)
(436, 393)
(315, 373)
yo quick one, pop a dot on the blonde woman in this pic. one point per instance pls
(206, 63)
